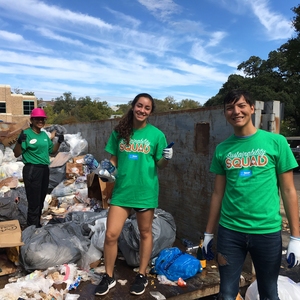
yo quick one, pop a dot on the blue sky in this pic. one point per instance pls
(112, 50)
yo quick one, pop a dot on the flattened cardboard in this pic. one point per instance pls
(60, 159)
(9, 138)
(10, 234)
(11, 182)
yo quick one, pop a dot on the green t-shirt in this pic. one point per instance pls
(251, 202)
(36, 148)
(137, 181)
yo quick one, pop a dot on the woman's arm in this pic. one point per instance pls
(17, 150)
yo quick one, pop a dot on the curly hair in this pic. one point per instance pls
(125, 126)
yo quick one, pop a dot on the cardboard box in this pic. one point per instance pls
(98, 189)
(79, 159)
(6, 266)
(73, 170)
(9, 137)
(10, 234)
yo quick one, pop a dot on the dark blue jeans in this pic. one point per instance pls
(265, 251)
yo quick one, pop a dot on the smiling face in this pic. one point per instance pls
(38, 123)
(238, 114)
(141, 111)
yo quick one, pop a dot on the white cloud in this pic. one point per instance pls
(216, 38)
(125, 18)
(10, 36)
(276, 25)
(16, 41)
(161, 8)
(51, 35)
(38, 10)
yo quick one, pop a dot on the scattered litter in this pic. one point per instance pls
(158, 295)
(100, 269)
(122, 282)
(181, 282)
(164, 280)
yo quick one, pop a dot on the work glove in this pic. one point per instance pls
(168, 153)
(107, 171)
(207, 246)
(22, 137)
(61, 138)
(293, 252)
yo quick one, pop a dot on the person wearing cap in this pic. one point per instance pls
(253, 169)
(35, 146)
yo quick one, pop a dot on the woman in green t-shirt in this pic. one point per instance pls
(137, 149)
(35, 146)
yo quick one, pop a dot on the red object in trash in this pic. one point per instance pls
(181, 282)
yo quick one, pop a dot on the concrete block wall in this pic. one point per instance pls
(186, 184)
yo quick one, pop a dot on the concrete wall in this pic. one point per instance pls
(186, 184)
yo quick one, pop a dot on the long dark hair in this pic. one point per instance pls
(125, 126)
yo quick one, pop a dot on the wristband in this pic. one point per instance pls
(295, 238)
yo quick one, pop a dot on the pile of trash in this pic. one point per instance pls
(73, 222)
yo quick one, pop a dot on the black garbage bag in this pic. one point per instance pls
(163, 231)
(11, 208)
(51, 245)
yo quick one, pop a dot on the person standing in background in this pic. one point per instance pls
(251, 167)
(35, 147)
(137, 149)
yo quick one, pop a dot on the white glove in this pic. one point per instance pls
(293, 252)
(207, 246)
(167, 153)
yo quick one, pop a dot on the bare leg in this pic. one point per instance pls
(144, 220)
(115, 221)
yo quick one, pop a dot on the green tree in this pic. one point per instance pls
(123, 108)
(188, 104)
(65, 102)
(277, 78)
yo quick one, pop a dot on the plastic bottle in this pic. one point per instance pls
(200, 254)
(91, 162)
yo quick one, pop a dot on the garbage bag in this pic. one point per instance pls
(287, 289)
(175, 264)
(163, 231)
(52, 245)
(85, 219)
(9, 208)
(56, 176)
